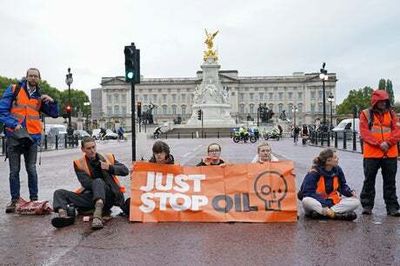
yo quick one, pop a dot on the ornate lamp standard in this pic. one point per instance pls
(324, 77)
(331, 98)
(294, 109)
(68, 81)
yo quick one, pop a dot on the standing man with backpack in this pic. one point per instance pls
(20, 108)
(380, 133)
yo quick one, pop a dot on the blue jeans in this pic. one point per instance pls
(14, 158)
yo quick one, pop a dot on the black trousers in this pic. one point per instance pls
(389, 169)
(86, 200)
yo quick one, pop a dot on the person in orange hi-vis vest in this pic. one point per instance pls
(380, 134)
(100, 190)
(20, 109)
(325, 193)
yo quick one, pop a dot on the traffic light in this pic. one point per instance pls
(132, 63)
(68, 109)
(139, 109)
(199, 114)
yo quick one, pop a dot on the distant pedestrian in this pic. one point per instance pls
(325, 193)
(380, 134)
(280, 130)
(213, 156)
(264, 154)
(296, 133)
(20, 108)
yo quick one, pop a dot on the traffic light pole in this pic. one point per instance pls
(202, 125)
(133, 107)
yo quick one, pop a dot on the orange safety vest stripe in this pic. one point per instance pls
(381, 131)
(83, 166)
(25, 108)
(321, 189)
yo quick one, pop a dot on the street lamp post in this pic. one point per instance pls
(324, 77)
(258, 114)
(87, 115)
(68, 81)
(331, 98)
(294, 115)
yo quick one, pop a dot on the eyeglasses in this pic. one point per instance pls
(214, 151)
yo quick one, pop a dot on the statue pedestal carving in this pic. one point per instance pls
(212, 99)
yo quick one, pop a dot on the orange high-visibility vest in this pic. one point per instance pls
(25, 108)
(321, 189)
(83, 166)
(380, 131)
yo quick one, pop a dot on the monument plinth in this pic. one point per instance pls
(210, 96)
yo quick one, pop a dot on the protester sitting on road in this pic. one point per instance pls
(161, 153)
(100, 190)
(324, 192)
(264, 154)
(213, 156)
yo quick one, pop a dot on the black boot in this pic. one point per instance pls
(62, 219)
(346, 216)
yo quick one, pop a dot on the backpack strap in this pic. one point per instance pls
(370, 117)
(15, 93)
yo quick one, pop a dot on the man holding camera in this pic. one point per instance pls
(100, 189)
(20, 108)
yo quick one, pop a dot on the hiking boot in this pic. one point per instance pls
(62, 219)
(394, 213)
(346, 216)
(11, 206)
(97, 223)
(367, 211)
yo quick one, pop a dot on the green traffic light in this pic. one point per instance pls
(129, 75)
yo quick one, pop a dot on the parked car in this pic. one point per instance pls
(81, 133)
(346, 125)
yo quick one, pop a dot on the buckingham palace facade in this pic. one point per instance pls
(173, 97)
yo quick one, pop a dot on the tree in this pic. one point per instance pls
(5, 82)
(78, 98)
(382, 84)
(389, 90)
(360, 98)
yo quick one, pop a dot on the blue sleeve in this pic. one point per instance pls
(50, 109)
(309, 189)
(5, 107)
(344, 188)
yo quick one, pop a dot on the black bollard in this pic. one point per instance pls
(344, 140)
(336, 140)
(354, 141)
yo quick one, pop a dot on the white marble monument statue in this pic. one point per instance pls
(210, 96)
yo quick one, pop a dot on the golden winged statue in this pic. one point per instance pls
(210, 53)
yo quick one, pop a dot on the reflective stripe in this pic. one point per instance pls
(381, 130)
(33, 117)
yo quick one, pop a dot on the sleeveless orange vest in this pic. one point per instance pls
(83, 166)
(25, 108)
(380, 131)
(321, 189)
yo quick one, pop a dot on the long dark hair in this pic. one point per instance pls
(323, 156)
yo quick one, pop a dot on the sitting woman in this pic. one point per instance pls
(213, 156)
(324, 192)
(161, 153)
(264, 154)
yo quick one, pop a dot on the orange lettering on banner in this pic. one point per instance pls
(237, 192)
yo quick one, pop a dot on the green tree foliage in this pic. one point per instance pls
(389, 90)
(396, 107)
(78, 98)
(382, 84)
(5, 82)
(360, 98)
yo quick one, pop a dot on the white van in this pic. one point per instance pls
(347, 125)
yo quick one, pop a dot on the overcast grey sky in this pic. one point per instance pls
(358, 40)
